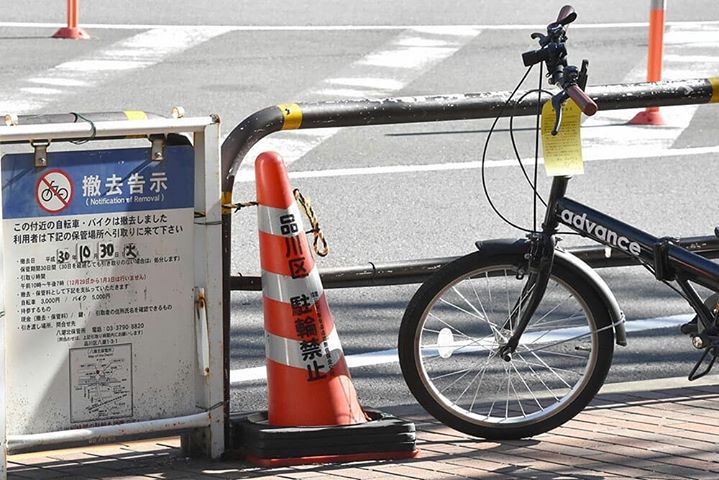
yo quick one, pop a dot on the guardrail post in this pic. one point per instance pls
(72, 31)
(655, 56)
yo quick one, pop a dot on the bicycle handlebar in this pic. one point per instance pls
(553, 52)
(566, 15)
(583, 101)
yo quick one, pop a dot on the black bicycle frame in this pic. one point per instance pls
(669, 261)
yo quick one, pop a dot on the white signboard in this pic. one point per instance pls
(98, 274)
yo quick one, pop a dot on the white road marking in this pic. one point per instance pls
(685, 44)
(324, 28)
(392, 66)
(382, 357)
(612, 138)
(61, 82)
(72, 77)
(40, 90)
(342, 92)
(685, 56)
(593, 156)
(373, 83)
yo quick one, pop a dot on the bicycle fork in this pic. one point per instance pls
(539, 260)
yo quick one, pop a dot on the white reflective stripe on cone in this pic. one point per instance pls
(289, 352)
(282, 287)
(269, 220)
(658, 5)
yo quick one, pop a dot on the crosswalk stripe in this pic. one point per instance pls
(382, 72)
(91, 70)
(689, 53)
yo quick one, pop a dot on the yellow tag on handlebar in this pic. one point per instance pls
(562, 152)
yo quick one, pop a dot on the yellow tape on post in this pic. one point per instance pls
(714, 81)
(292, 116)
(135, 115)
(226, 203)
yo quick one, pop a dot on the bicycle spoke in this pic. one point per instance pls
(477, 342)
(528, 389)
(481, 305)
(554, 371)
(548, 294)
(550, 345)
(518, 307)
(563, 354)
(552, 322)
(479, 314)
(479, 384)
(471, 382)
(516, 395)
(447, 302)
(538, 377)
(542, 364)
(451, 327)
(538, 322)
(509, 379)
(463, 371)
(450, 374)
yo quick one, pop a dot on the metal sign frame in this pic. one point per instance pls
(204, 433)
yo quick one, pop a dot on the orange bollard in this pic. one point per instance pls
(655, 55)
(72, 31)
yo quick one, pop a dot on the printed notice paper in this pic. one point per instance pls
(562, 152)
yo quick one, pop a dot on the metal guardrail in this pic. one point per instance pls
(436, 108)
(417, 271)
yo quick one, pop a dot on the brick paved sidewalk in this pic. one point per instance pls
(664, 429)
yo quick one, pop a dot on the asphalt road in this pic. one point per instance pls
(234, 58)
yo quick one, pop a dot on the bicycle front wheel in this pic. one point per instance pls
(457, 321)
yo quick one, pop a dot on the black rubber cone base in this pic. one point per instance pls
(383, 437)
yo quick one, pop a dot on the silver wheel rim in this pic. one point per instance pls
(461, 369)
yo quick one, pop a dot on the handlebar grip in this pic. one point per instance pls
(566, 15)
(582, 100)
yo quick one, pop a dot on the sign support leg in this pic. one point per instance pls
(210, 386)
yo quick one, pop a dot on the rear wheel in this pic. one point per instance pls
(457, 321)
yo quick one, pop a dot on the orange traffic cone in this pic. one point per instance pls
(313, 413)
(72, 31)
(305, 361)
(655, 57)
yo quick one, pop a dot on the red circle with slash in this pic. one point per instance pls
(53, 191)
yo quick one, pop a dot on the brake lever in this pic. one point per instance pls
(543, 39)
(557, 101)
(583, 75)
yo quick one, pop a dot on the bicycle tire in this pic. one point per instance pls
(563, 355)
